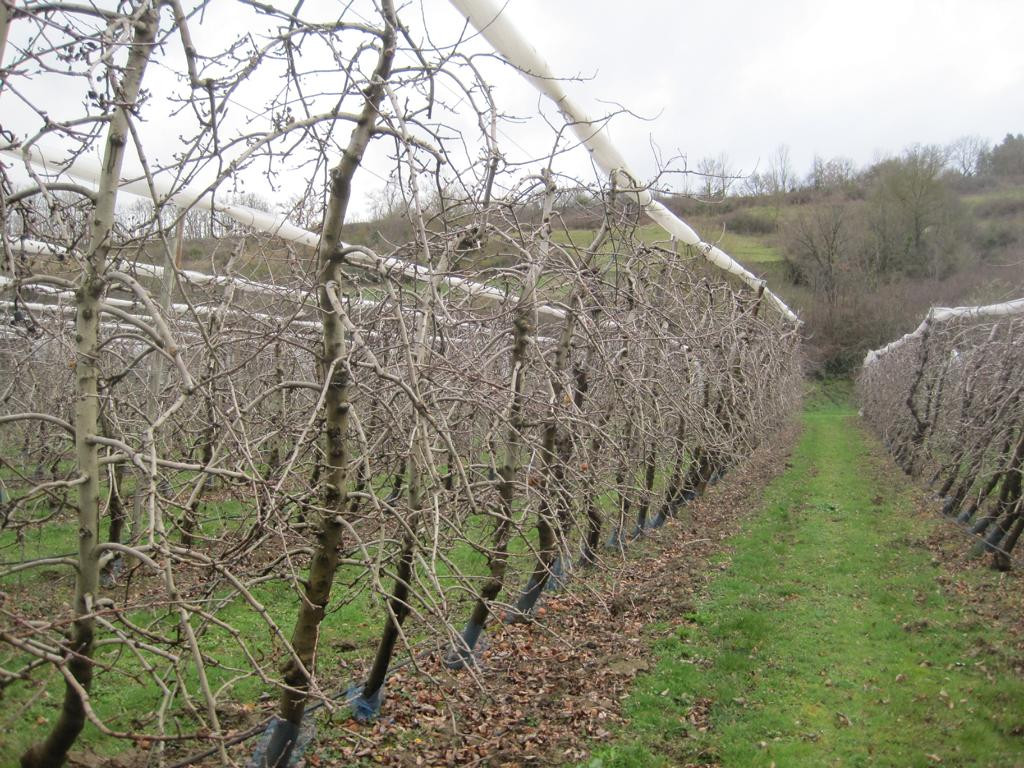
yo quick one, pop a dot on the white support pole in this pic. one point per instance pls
(490, 19)
(271, 224)
(944, 314)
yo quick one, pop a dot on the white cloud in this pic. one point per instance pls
(734, 76)
(831, 77)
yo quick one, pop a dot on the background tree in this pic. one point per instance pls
(1007, 157)
(780, 171)
(716, 176)
(823, 245)
(780, 177)
(967, 154)
(834, 174)
(917, 223)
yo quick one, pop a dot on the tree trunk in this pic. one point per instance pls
(497, 556)
(333, 366)
(88, 300)
(1010, 489)
(1001, 558)
(674, 490)
(556, 451)
(650, 471)
(398, 610)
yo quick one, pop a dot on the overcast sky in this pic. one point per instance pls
(739, 77)
(829, 77)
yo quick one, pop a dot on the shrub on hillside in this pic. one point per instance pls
(748, 222)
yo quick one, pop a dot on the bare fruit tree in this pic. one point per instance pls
(947, 401)
(231, 441)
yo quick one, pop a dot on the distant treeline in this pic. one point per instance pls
(868, 250)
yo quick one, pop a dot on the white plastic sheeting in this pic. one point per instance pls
(488, 18)
(268, 223)
(183, 311)
(942, 314)
(38, 248)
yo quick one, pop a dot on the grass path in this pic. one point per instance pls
(827, 640)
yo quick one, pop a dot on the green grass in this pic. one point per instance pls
(126, 699)
(348, 633)
(746, 249)
(988, 197)
(827, 642)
